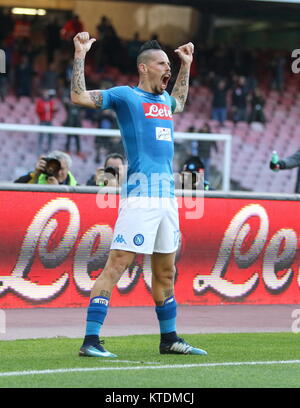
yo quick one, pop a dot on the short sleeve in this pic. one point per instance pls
(173, 103)
(107, 99)
(112, 97)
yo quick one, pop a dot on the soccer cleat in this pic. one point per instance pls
(95, 350)
(180, 347)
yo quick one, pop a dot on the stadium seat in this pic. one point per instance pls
(250, 144)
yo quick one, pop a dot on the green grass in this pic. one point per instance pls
(142, 351)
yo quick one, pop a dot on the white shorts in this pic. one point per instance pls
(146, 225)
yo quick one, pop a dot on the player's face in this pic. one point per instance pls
(159, 71)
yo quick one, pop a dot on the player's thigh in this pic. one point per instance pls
(136, 226)
(167, 236)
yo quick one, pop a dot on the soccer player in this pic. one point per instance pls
(148, 214)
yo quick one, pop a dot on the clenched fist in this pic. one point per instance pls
(83, 42)
(185, 53)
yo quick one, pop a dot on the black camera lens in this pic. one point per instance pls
(52, 167)
(112, 170)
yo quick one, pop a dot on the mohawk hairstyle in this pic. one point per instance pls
(147, 46)
(150, 45)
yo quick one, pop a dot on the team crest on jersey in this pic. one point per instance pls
(157, 111)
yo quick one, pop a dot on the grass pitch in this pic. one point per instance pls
(256, 360)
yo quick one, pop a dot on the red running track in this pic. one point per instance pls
(122, 321)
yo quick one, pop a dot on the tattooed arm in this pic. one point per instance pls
(79, 94)
(181, 87)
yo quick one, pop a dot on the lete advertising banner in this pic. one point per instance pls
(53, 246)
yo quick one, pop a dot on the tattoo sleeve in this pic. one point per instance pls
(181, 87)
(96, 97)
(87, 98)
(78, 80)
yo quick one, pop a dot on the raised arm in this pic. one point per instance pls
(181, 87)
(79, 94)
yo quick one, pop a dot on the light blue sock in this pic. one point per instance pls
(93, 328)
(96, 314)
(166, 315)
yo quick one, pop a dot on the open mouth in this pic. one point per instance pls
(165, 80)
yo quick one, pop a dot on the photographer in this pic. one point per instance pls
(53, 169)
(111, 174)
(192, 176)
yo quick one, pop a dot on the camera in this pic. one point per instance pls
(52, 167)
(112, 170)
(191, 179)
(193, 174)
(107, 174)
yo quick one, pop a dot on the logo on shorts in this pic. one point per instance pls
(120, 239)
(138, 239)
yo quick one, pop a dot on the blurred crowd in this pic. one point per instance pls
(39, 54)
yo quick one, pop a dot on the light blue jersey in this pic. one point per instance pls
(147, 130)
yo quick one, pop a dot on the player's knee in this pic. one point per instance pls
(111, 274)
(116, 266)
(165, 276)
(121, 261)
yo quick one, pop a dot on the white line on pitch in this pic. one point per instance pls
(86, 369)
(128, 361)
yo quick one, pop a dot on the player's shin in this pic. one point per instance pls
(166, 315)
(96, 314)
